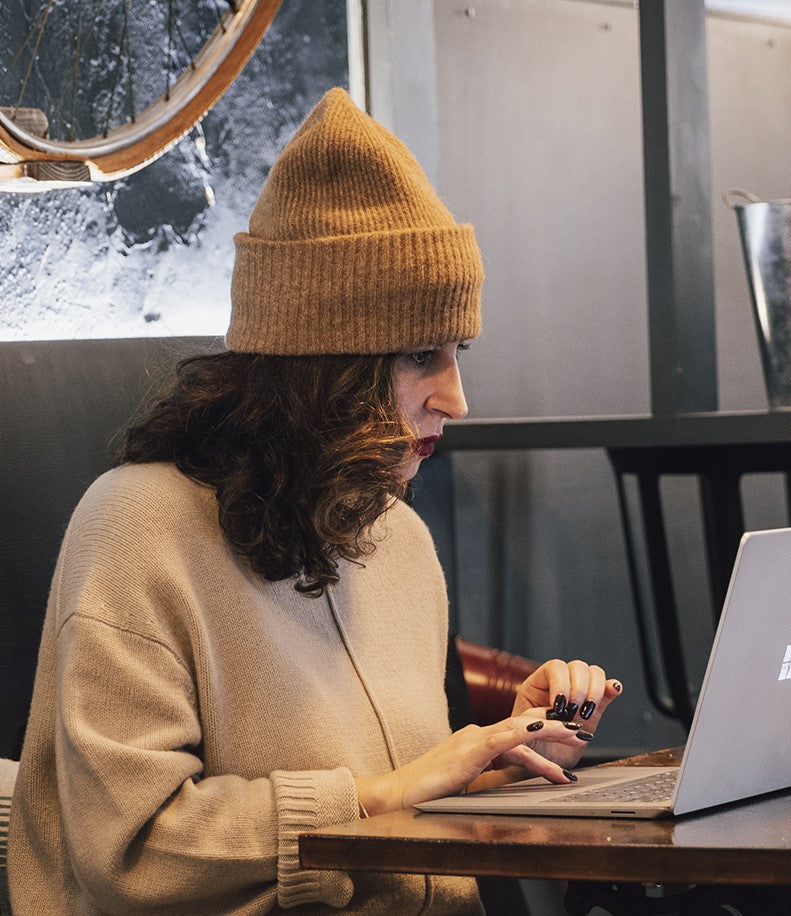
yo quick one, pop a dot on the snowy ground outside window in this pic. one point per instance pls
(151, 255)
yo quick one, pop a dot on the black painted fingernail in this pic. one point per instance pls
(586, 736)
(560, 704)
(574, 726)
(570, 776)
(571, 710)
(553, 716)
(617, 687)
(535, 726)
(587, 709)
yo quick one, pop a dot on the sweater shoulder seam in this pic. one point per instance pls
(129, 631)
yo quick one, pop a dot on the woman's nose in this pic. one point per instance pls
(448, 395)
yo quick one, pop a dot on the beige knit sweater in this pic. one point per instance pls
(190, 719)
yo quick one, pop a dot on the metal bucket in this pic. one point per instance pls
(765, 228)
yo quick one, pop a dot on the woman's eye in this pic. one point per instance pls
(422, 357)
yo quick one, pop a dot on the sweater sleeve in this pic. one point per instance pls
(145, 831)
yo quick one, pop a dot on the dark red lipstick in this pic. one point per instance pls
(425, 447)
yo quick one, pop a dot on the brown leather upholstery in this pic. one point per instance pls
(492, 677)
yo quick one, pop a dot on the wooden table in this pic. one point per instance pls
(745, 844)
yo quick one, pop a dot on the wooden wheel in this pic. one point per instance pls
(36, 143)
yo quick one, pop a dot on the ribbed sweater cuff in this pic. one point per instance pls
(306, 800)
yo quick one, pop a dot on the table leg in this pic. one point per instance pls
(653, 687)
(723, 524)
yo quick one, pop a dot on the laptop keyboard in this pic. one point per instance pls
(656, 788)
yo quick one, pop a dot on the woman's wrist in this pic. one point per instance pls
(375, 795)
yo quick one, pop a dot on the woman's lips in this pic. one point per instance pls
(425, 447)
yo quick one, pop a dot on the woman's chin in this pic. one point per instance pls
(411, 468)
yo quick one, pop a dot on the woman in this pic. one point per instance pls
(247, 626)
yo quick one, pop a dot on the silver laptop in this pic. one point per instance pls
(739, 744)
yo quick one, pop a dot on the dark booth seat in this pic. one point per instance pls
(62, 403)
(492, 677)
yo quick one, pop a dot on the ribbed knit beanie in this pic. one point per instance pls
(350, 250)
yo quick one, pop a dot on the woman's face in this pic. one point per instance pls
(428, 391)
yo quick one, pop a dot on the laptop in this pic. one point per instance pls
(739, 744)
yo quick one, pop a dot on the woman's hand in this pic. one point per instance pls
(572, 692)
(452, 765)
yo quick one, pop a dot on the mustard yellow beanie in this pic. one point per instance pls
(350, 250)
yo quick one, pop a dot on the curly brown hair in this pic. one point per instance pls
(303, 452)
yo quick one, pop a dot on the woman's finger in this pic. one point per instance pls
(612, 689)
(494, 740)
(555, 732)
(580, 677)
(568, 689)
(587, 688)
(547, 686)
(537, 765)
